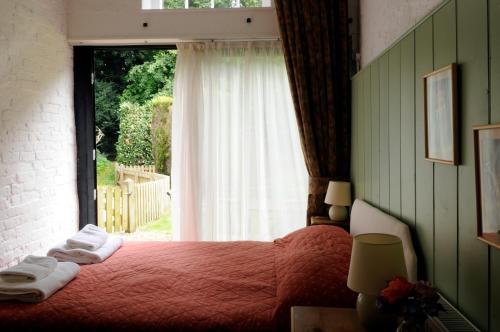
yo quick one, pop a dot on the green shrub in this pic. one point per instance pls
(161, 132)
(134, 141)
(105, 170)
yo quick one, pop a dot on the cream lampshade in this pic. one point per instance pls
(339, 196)
(375, 259)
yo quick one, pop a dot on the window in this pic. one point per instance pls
(188, 4)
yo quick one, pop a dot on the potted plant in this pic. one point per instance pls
(412, 303)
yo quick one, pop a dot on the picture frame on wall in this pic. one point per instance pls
(440, 115)
(487, 164)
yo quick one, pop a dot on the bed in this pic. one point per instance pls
(200, 286)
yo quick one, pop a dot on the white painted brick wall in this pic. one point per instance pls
(38, 195)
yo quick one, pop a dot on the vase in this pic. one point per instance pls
(407, 326)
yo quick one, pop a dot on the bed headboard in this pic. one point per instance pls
(368, 219)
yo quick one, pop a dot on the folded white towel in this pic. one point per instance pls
(81, 256)
(36, 291)
(89, 237)
(30, 269)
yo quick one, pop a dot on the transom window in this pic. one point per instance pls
(188, 4)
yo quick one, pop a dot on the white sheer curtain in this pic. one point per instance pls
(238, 171)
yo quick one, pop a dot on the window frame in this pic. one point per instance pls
(212, 6)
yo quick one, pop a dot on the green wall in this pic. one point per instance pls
(437, 201)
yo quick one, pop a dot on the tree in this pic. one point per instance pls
(251, 3)
(106, 116)
(112, 65)
(151, 78)
(161, 132)
(175, 4)
(111, 68)
(133, 78)
(134, 142)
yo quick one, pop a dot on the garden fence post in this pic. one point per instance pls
(129, 207)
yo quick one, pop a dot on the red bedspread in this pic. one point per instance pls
(185, 286)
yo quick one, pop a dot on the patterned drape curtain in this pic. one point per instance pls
(315, 42)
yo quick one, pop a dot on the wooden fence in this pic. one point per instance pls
(139, 174)
(141, 197)
(141, 168)
(151, 200)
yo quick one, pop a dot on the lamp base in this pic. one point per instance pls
(337, 213)
(371, 316)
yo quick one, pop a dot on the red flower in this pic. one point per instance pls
(398, 288)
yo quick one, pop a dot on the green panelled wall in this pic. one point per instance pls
(424, 171)
(389, 170)
(494, 42)
(375, 126)
(367, 137)
(395, 130)
(445, 176)
(408, 130)
(472, 56)
(360, 137)
(384, 131)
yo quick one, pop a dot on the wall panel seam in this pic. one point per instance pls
(433, 180)
(488, 50)
(457, 174)
(400, 134)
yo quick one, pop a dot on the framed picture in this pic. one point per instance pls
(440, 115)
(487, 160)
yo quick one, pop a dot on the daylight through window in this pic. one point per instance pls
(188, 4)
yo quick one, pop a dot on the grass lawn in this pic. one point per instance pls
(105, 171)
(162, 225)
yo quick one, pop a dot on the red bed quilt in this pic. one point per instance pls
(196, 286)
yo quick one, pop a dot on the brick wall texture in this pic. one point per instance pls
(38, 195)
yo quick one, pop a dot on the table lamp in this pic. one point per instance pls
(375, 259)
(338, 195)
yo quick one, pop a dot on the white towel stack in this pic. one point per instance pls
(89, 237)
(32, 268)
(35, 279)
(89, 246)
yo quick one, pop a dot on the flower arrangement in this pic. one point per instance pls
(411, 302)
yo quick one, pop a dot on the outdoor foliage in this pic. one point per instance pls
(151, 78)
(128, 83)
(199, 3)
(161, 132)
(111, 68)
(251, 3)
(134, 142)
(112, 65)
(175, 4)
(106, 115)
(105, 170)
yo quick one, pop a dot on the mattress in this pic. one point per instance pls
(196, 286)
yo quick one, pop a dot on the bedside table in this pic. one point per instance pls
(320, 220)
(324, 319)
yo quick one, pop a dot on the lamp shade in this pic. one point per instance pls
(375, 259)
(338, 193)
